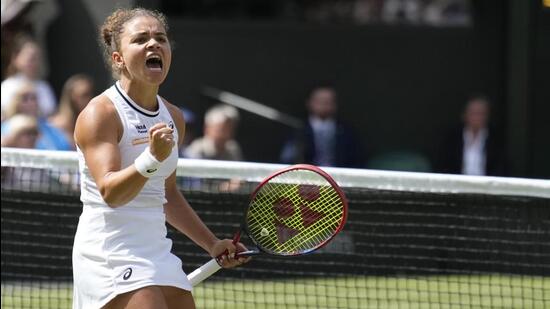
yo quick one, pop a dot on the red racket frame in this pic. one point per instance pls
(308, 167)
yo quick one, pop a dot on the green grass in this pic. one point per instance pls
(434, 292)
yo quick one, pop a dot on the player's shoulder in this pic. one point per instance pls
(99, 113)
(97, 121)
(100, 106)
(174, 110)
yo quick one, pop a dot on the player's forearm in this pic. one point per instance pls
(119, 188)
(181, 216)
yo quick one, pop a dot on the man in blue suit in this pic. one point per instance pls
(325, 140)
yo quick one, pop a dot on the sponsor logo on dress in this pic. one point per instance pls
(171, 124)
(141, 128)
(140, 140)
(127, 273)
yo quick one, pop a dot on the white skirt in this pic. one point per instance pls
(120, 250)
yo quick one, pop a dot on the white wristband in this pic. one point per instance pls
(146, 164)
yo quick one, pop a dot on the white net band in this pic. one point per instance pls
(359, 178)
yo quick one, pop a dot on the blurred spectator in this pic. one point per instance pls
(367, 11)
(474, 148)
(402, 11)
(447, 13)
(325, 140)
(218, 142)
(25, 66)
(14, 24)
(24, 101)
(395, 12)
(77, 92)
(326, 11)
(21, 132)
(11, 9)
(412, 12)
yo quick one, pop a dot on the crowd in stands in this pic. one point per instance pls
(25, 93)
(434, 13)
(411, 12)
(32, 117)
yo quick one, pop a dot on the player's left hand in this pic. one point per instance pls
(225, 251)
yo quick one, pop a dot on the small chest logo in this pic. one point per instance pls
(127, 273)
(141, 128)
(171, 124)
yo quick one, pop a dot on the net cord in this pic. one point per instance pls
(345, 177)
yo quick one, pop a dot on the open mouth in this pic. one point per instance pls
(154, 63)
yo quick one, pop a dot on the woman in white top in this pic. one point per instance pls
(127, 140)
(25, 67)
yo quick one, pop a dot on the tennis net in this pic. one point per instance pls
(412, 240)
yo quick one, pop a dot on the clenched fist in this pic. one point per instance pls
(161, 141)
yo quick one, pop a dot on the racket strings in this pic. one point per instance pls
(301, 204)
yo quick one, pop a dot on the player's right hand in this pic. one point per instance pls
(161, 141)
(225, 252)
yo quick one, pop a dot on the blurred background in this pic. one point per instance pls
(403, 70)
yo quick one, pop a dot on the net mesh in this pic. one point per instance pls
(410, 241)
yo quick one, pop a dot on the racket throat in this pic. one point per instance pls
(237, 236)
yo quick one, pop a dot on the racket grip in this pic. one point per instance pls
(203, 272)
(247, 253)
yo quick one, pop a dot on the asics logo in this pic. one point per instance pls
(127, 273)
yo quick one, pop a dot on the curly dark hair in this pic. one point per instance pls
(113, 26)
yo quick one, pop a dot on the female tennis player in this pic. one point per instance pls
(127, 140)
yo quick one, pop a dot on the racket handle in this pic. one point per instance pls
(247, 253)
(203, 272)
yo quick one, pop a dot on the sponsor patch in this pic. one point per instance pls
(140, 140)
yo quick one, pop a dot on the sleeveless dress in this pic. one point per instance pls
(117, 250)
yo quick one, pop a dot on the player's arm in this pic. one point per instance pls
(181, 216)
(97, 133)
(178, 211)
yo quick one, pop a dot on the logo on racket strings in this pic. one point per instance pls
(285, 208)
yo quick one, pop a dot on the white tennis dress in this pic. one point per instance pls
(117, 250)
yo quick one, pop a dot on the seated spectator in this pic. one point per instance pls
(367, 11)
(448, 13)
(218, 141)
(473, 148)
(325, 140)
(25, 66)
(402, 11)
(25, 102)
(21, 132)
(77, 92)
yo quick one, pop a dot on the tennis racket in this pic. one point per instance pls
(294, 211)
